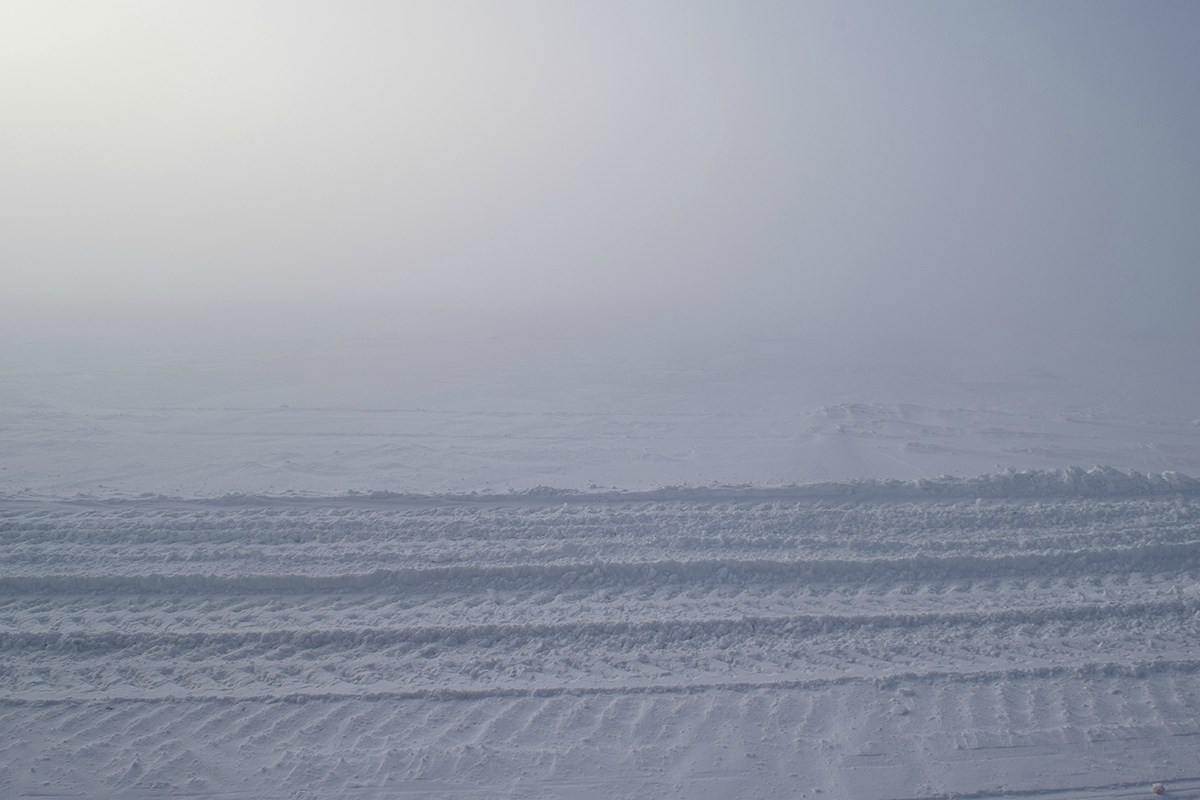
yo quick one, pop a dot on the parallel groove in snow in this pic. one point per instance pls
(83, 644)
(1179, 556)
(1088, 671)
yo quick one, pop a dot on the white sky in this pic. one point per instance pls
(961, 166)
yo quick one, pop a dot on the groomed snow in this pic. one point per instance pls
(1028, 634)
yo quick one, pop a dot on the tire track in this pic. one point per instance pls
(1093, 561)
(661, 631)
(1084, 671)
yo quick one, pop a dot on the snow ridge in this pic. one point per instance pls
(1095, 482)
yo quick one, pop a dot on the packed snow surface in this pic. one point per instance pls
(1030, 634)
(429, 566)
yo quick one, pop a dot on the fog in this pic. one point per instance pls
(970, 179)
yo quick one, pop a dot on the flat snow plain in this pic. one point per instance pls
(751, 583)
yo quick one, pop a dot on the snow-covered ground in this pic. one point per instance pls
(859, 640)
(442, 410)
(331, 568)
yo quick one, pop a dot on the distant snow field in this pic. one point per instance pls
(435, 413)
(315, 573)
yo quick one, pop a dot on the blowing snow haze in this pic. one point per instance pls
(860, 165)
(906, 194)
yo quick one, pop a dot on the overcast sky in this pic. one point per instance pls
(952, 165)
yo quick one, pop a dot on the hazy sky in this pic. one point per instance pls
(966, 165)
